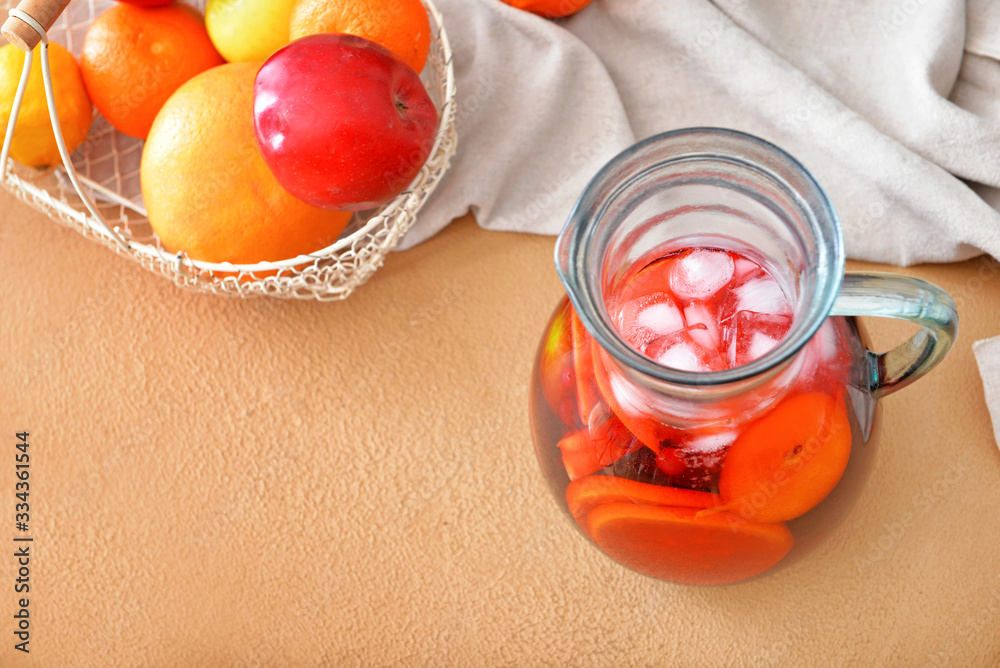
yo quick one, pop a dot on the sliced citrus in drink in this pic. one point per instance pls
(585, 494)
(588, 396)
(784, 464)
(556, 372)
(676, 544)
(628, 405)
(588, 450)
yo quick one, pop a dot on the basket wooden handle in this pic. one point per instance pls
(22, 35)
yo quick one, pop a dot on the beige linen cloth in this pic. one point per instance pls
(894, 105)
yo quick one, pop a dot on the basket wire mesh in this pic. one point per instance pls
(105, 202)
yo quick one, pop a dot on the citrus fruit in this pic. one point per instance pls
(585, 494)
(590, 449)
(248, 30)
(556, 368)
(134, 58)
(147, 3)
(550, 8)
(206, 187)
(677, 544)
(401, 26)
(588, 396)
(628, 404)
(34, 142)
(788, 461)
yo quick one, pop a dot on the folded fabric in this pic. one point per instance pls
(894, 105)
(988, 358)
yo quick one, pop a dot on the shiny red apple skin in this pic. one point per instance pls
(341, 121)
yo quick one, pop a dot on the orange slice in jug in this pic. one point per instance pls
(647, 429)
(588, 396)
(676, 544)
(585, 494)
(788, 461)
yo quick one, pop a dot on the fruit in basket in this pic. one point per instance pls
(550, 8)
(206, 187)
(34, 142)
(401, 26)
(134, 58)
(248, 30)
(147, 3)
(342, 122)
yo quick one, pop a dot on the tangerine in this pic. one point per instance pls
(784, 464)
(135, 57)
(208, 191)
(401, 26)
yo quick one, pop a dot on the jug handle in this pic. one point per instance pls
(907, 298)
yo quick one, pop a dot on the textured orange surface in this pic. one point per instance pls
(263, 483)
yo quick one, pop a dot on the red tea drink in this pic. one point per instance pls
(702, 309)
(702, 416)
(695, 503)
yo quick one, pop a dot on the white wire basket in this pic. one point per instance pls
(97, 192)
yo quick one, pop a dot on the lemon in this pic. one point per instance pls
(34, 141)
(248, 30)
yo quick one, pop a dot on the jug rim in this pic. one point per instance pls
(576, 240)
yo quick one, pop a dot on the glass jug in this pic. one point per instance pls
(736, 445)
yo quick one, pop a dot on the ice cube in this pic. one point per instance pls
(683, 351)
(710, 442)
(700, 273)
(761, 294)
(825, 341)
(702, 314)
(660, 318)
(754, 335)
(760, 345)
(742, 267)
(649, 317)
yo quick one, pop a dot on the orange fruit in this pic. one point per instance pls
(207, 189)
(635, 415)
(134, 58)
(590, 449)
(34, 142)
(588, 396)
(784, 464)
(401, 26)
(555, 367)
(677, 544)
(585, 494)
(550, 8)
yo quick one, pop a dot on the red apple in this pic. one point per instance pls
(341, 121)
